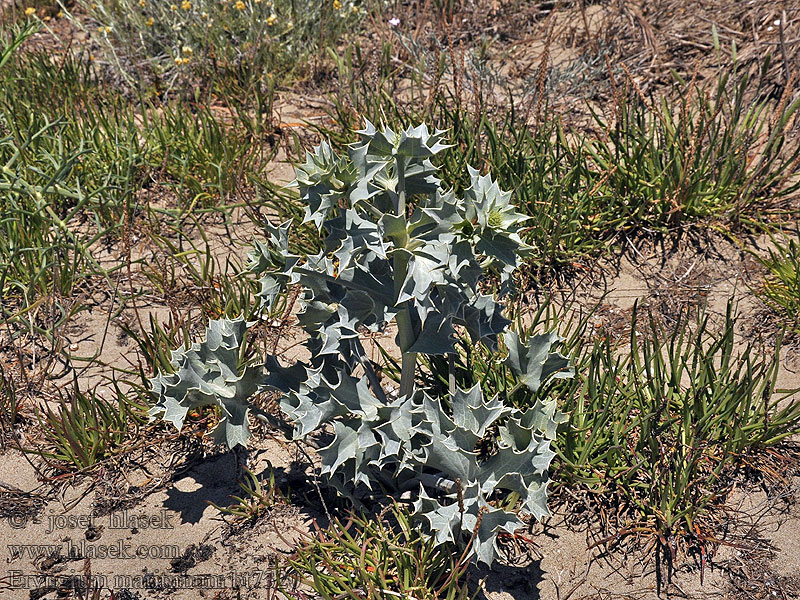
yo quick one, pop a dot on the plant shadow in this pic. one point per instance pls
(212, 480)
(518, 582)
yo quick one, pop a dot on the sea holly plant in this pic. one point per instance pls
(400, 251)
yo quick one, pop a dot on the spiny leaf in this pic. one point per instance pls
(533, 362)
(207, 373)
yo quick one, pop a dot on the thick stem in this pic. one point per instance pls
(400, 167)
(407, 374)
(405, 328)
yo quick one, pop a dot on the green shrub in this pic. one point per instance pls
(400, 250)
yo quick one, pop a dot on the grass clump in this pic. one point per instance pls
(77, 170)
(780, 287)
(218, 43)
(39, 194)
(657, 427)
(85, 428)
(725, 155)
(260, 496)
(39, 252)
(380, 558)
(123, 145)
(10, 403)
(663, 421)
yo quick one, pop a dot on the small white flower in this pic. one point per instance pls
(394, 21)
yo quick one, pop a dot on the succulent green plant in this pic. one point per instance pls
(399, 248)
(379, 558)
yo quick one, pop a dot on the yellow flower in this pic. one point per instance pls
(30, 10)
(204, 15)
(187, 51)
(337, 5)
(178, 61)
(271, 20)
(186, 5)
(142, 3)
(173, 7)
(60, 14)
(150, 22)
(239, 5)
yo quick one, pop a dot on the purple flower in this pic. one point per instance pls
(394, 21)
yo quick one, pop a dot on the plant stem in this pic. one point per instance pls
(407, 373)
(405, 328)
(400, 167)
